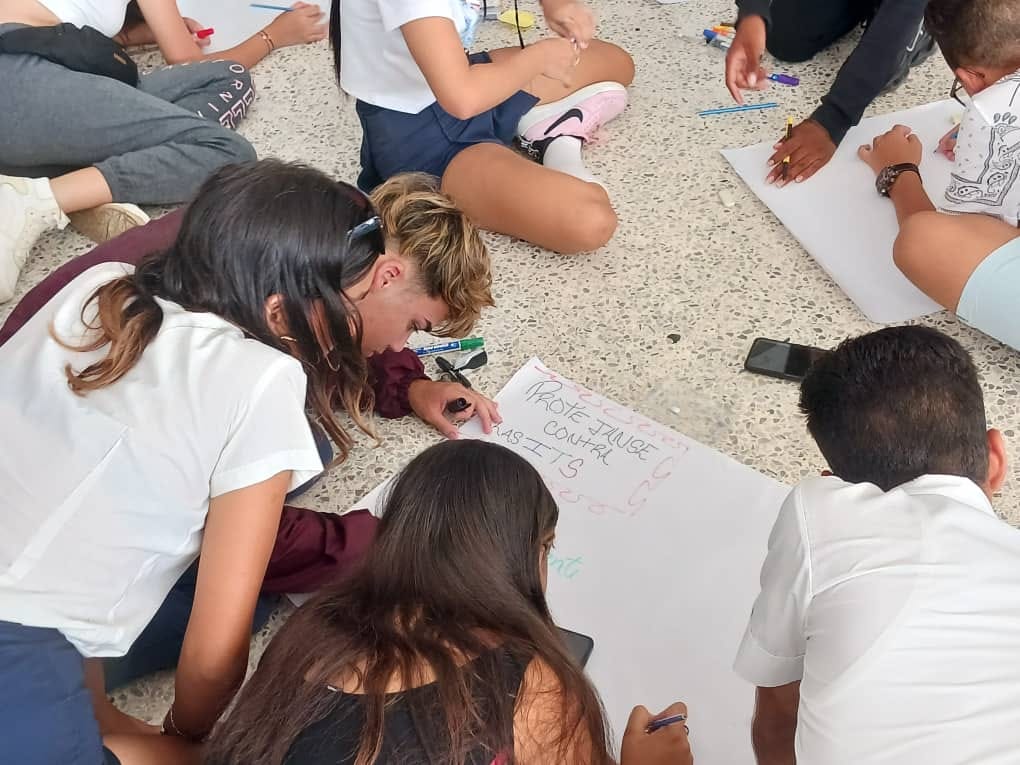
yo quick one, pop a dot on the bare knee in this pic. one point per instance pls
(618, 62)
(590, 227)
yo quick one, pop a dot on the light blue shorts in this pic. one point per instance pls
(991, 297)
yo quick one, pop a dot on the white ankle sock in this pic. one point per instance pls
(564, 154)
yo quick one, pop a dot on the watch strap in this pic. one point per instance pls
(889, 174)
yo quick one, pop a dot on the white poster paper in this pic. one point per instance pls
(844, 224)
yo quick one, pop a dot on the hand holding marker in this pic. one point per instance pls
(719, 38)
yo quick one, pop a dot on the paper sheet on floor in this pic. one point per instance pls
(234, 20)
(840, 220)
(657, 555)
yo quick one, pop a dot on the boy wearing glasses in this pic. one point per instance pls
(968, 263)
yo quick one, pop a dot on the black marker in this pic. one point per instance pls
(457, 405)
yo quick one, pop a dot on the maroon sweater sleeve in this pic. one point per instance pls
(130, 247)
(392, 374)
(314, 549)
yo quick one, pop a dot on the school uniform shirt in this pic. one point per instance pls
(105, 495)
(984, 178)
(107, 16)
(899, 613)
(375, 64)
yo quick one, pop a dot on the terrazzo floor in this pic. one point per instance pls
(681, 263)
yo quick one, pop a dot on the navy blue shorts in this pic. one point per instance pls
(47, 710)
(426, 142)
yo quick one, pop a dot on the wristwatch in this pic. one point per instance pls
(888, 176)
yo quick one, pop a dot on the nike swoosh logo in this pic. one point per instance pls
(570, 114)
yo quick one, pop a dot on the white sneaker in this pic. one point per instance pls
(27, 209)
(103, 223)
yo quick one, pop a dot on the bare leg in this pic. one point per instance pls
(601, 62)
(81, 190)
(939, 252)
(504, 192)
(153, 749)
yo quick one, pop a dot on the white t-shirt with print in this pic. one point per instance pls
(107, 16)
(376, 67)
(985, 175)
(899, 613)
(104, 496)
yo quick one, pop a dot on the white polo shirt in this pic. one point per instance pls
(103, 497)
(107, 16)
(376, 65)
(899, 612)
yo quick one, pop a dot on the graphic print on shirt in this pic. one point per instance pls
(1001, 165)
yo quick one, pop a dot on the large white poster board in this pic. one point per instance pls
(657, 555)
(844, 224)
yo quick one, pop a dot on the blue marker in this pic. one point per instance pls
(671, 720)
(735, 109)
(269, 7)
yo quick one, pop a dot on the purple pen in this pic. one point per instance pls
(784, 79)
(662, 722)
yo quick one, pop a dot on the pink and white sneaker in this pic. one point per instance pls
(580, 114)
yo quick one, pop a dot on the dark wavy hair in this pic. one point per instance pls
(254, 230)
(453, 574)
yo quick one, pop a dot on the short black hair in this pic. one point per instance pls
(893, 405)
(976, 32)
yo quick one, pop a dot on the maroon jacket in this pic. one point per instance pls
(311, 548)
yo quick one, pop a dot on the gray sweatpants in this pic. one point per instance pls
(154, 144)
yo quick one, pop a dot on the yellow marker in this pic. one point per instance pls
(789, 135)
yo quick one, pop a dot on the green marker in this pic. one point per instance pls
(467, 344)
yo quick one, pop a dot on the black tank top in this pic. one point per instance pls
(414, 723)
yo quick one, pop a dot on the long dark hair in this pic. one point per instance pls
(334, 35)
(454, 572)
(254, 230)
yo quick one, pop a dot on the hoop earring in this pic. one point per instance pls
(329, 362)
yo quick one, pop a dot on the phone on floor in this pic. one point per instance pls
(580, 646)
(776, 358)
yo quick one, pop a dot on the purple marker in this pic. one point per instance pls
(784, 79)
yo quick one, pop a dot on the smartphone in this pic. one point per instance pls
(776, 358)
(580, 646)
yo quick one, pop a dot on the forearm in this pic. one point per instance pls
(202, 690)
(909, 197)
(870, 67)
(774, 744)
(247, 54)
(485, 86)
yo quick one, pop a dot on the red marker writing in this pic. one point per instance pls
(201, 34)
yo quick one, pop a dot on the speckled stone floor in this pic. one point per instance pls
(681, 263)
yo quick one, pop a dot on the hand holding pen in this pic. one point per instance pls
(659, 740)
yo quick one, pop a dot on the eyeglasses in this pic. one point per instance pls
(364, 228)
(958, 94)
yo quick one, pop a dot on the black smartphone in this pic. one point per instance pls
(580, 646)
(787, 361)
